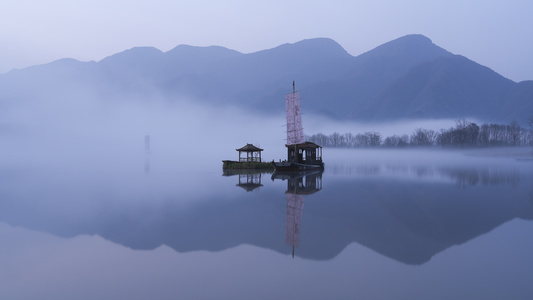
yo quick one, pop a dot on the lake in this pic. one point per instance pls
(376, 224)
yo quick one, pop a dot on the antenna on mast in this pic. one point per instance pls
(293, 88)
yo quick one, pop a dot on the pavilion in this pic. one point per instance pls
(253, 153)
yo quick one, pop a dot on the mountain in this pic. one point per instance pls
(371, 72)
(409, 77)
(519, 102)
(447, 87)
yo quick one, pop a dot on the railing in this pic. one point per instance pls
(250, 159)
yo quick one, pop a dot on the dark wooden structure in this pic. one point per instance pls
(253, 153)
(303, 156)
(306, 153)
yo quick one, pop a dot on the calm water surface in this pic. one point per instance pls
(373, 225)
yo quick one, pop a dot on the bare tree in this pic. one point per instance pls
(374, 138)
(464, 134)
(391, 141)
(484, 135)
(422, 137)
(514, 134)
(336, 139)
(349, 139)
(361, 140)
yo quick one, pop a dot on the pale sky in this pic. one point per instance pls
(497, 34)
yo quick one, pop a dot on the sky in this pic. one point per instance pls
(497, 34)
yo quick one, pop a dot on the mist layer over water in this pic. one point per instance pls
(87, 134)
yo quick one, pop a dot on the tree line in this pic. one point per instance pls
(464, 134)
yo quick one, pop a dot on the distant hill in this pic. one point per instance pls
(406, 78)
(519, 102)
(371, 72)
(447, 87)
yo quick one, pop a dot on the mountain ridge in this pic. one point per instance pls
(371, 86)
(425, 85)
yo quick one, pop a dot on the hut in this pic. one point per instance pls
(253, 153)
(306, 153)
(249, 158)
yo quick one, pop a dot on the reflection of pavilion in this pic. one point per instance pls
(248, 179)
(250, 182)
(298, 185)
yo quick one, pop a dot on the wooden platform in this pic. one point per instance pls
(232, 164)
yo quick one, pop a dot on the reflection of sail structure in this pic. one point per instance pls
(295, 206)
(298, 185)
(295, 132)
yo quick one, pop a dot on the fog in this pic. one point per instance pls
(78, 147)
(86, 131)
(464, 167)
(318, 124)
(185, 134)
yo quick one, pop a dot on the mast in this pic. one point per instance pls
(295, 133)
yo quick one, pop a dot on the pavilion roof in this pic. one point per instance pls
(249, 148)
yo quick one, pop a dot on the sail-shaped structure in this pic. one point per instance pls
(301, 155)
(295, 131)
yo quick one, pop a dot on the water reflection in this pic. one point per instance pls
(486, 176)
(390, 208)
(298, 185)
(147, 153)
(463, 176)
(301, 183)
(248, 180)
